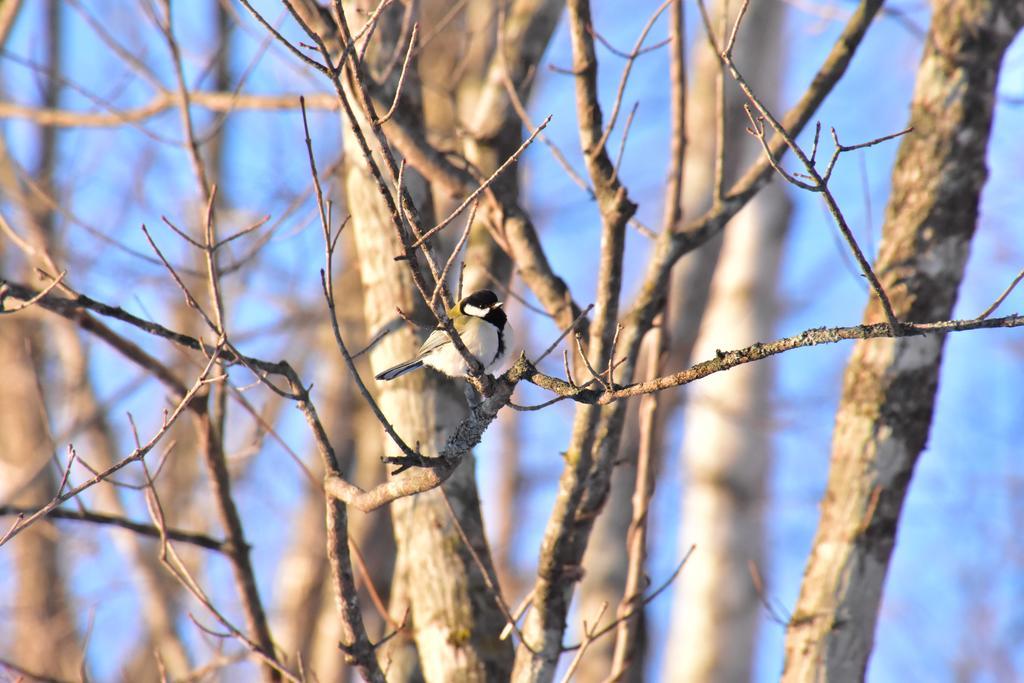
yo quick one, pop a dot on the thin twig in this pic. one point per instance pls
(520, 109)
(138, 454)
(508, 291)
(1002, 297)
(586, 362)
(840, 148)
(212, 266)
(517, 614)
(483, 186)
(563, 335)
(720, 138)
(326, 281)
(401, 77)
(588, 640)
(485, 571)
(820, 185)
(626, 71)
(190, 537)
(568, 369)
(303, 57)
(609, 379)
(451, 259)
(643, 603)
(25, 304)
(625, 137)
(775, 613)
(189, 299)
(375, 598)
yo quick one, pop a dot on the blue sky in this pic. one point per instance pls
(957, 568)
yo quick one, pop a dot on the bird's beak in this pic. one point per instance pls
(499, 304)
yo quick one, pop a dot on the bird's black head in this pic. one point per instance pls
(481, 299)
(484, 304)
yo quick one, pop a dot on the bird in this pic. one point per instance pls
(483, 327)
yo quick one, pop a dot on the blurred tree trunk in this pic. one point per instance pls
(494, 130)
(160, 592)
(889, 388)
(159, 648)
(727, 454)
(606, 561)
(79, 412)
(45, 638)
(726, 300)
(759, 56)
(305, 605)
(455, 619)
(691, 285)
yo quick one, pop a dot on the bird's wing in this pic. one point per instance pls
(436, 340)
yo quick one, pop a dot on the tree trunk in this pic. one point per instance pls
(44, 639)
(92, 435)
(727, 455)
(455, 619)
(889, 387)
(726, 301)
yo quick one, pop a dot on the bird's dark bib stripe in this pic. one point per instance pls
(497, 317)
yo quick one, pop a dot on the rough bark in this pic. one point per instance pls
(455, 620)
(889, 387)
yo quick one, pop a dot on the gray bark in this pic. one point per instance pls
(889, 388)
(455, 620)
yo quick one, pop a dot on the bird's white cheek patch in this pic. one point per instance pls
(470, 309)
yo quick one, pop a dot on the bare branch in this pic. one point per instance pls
(25, 304)
(190, 537)
(211, 100)
(589, 636)
(487, 183)
(327, 283)
(647, 600)
(1002, 297)
(136, 455)
(563, 335)
(820, 184)
(401, 78)
(434, 471)
(630, 58)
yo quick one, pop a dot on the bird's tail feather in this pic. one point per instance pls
(399, 370)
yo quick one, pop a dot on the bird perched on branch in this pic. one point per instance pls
(483, 327)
